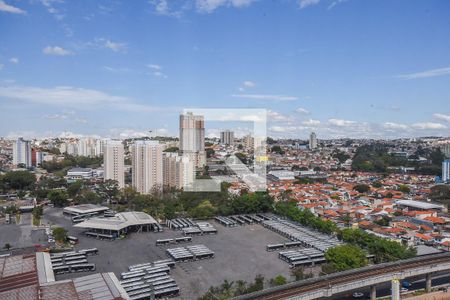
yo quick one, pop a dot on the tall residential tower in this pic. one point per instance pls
(22, 152)
(192, 138)
(147, 166)
(113, 162)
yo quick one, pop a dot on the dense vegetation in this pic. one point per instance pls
(384, 250)
(375, 158)
(228, 290)
(70, 161)
(197, 205)
(17, 180)
(304, 217)
(346, 257)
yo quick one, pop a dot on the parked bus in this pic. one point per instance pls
(73, 240)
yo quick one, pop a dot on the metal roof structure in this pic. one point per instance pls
(31, 277)
(84, 209)
(418, 204)
(21, 275)
(119, 221)
(100, 286)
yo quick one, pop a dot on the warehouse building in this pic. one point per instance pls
(120, 224)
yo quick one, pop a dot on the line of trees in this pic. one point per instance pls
(383, 249)
(305, 217)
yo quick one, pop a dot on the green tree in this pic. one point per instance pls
(171, 149)
(203, 211)
(277, 149)
(109, 189)
(74, 188)
(60, 234)
(346, 257)
(88, 197)
(377, 184)
(404, 188)
(19, 179)
(299, 273)
(361, 188)
(58, 198)
(7, 246)
(278, 280)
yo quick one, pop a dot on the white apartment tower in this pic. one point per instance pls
(312, 141)
(192, 138)
(178, 171)
(147, 166)
(113, 162)
(446, 170)
(227, 137)
(22, 152)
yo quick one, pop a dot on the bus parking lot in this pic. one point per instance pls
(239, 254)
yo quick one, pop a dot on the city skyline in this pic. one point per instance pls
(338, 68)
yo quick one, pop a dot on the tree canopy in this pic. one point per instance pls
(346, 257)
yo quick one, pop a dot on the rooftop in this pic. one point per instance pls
(419, 204)
(118, 222)
(85, 208)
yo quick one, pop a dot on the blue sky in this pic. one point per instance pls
(120, 68)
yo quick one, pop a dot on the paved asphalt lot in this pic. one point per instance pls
(21, 235)
(239, 254)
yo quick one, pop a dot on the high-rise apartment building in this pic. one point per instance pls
(446, 170)
(445, 148)
(147, 166)
(312, 141)
(178, 171)
(249, 142)
(227, 137)
(22, 152)
(113, 162)
(192, 138)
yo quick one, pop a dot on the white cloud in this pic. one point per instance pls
(426, 74)
(265, 97)
(306, 3)
(208, 6)
(275, 116)
(71, 97)
(81, 120)
(55, 50)
(116, 47)
(341, 123)
(117, 70)
(394, 126)
(248, 84)
(10, 9)
(162, 7)
(160, 74)
(442, 117)
(311, 122)
(336, 2)
(14, 60)
(154, 67)
(302, 111)
(124, 133)
(428, 126)
(54, 117)
(282, 129)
